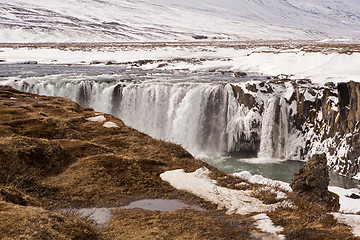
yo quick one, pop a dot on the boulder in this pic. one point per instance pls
(312, 181)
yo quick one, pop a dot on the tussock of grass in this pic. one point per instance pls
(11, 194)
(265, 195)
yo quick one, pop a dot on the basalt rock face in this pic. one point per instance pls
(320, 119)
(331, 123)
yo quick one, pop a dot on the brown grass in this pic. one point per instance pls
(49, 148)
(265, 195)
(309, 221)
(51, 156)
(181, 224)
(306, 45)
(24, 222)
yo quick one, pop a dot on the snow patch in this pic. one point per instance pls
(347, 204)
(258, 179)
(200, 184)
(98, 216)
(99, 119)
(264, 223)
(351, 220)
(110, 125)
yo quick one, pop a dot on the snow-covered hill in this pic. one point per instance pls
(163, 20)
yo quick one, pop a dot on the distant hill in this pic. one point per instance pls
(167, 20)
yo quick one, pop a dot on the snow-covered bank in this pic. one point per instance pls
(240, 202)
(351, 220)
(347, 204)
(317, 66)
(154, 20)
(264, 223)
(258, 179)
(200, 184)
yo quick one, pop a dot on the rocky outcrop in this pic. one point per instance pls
(322, 119)
(312, 180)
(333, 117)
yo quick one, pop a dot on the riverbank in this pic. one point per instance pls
(57, 155)
(320, 61)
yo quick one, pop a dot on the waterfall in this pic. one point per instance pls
(274, 129)
(202, 117)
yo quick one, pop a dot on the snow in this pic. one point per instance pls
(200, 184)
(264, 223)
(97, 119)
(351, 220)
(347, 204)
(159, 20)
(309, 97)
(289, 91)
(317, 66)
(110, 125)
(258, 179)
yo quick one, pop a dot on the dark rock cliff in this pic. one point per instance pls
(323, 119)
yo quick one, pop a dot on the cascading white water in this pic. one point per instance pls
(274, 129)
(202, 117)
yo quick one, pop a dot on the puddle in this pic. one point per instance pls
(162, 205)
(101, 216)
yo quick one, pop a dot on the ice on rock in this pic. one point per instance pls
(274, 130)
